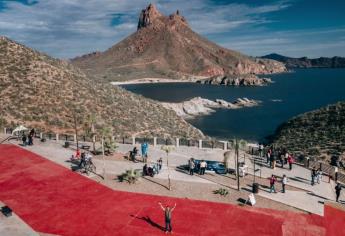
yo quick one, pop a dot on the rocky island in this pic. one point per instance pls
(201, 106)
(239, 80)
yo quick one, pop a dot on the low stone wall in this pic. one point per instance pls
(155, 141)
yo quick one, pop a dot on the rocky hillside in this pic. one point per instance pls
(305, 62)
(166, 47)
(37, 90)
(319, 133)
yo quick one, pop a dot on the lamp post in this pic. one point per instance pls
(253, 156)
(103, 158)
(237, 164)
(76, 129)
(167, 150)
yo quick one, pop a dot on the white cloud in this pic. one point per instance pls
(68, 28)
(327, 42)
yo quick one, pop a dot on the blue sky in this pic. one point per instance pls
(68, 28)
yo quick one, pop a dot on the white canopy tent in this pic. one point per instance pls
(19, 129)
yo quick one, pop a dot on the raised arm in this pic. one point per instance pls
(173, 207)
(160, 204)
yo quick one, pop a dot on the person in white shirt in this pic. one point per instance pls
(203, 166)
(284, 182)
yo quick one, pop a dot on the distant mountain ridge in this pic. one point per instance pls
(305, 62)
(166, 47)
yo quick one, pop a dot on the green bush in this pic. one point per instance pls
(222, 191)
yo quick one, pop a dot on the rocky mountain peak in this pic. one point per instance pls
(151, 16)
(148, 16)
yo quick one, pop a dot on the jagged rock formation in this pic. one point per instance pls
(166, 47)
(201, 106)
(319, 133)
(40, 91)
(239, 80)
(305, 62)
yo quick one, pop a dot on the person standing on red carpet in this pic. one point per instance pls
(167, 214)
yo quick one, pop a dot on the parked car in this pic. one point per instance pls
(216, 166)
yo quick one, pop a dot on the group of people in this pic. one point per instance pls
(82, 157)
(85, 158)
(316, 175)
(155, 168)
(28, 139)
(273, 181)
(144, 152)
(281, 155)
(192, 165)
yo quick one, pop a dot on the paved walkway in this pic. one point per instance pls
(311, 199)
(54, 200)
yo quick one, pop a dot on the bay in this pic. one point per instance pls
(291, 94)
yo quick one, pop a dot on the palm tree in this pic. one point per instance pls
(106, 142)
(168, 149)
(237, 145)
(89, 128)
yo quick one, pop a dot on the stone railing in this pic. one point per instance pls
(155, 141)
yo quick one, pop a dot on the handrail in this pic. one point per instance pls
(4, 140)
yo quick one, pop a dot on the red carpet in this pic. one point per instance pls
(52, 199)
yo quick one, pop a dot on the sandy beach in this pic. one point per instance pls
(150, 81)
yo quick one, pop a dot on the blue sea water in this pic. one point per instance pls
(291, 94)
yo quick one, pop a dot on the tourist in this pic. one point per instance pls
(82, 162)
(155, 168)
(337, 191)
(24, 140)
(290, 161)
(268, 156)
(261, 149)
(313, 176)
(88, 157)
(272, 184)
(144, 151)
(32, 132)
(77, 153)
(30, 141)
(145, 170)
(31, 136)
(281, 159)
(160, 163)
(191, 166)
(284, 182)
(167, 216)
(318, 175)
(203, 166)
(273, 158)
(134, 153)
(150, 171)
(286, 157)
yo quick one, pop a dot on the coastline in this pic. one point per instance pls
(150, 81)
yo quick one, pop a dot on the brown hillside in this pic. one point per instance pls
(319, 133)
(167, 47)
(38, 90)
